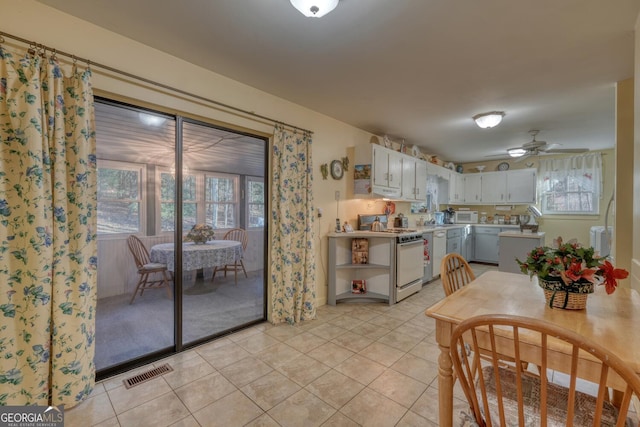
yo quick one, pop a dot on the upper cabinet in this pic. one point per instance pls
(494, 187)
(456, 187)
(382, 172)
(521, 186)
(414, 179)
(517, 186)
(473, 188)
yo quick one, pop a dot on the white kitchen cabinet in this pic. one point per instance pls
(379, 272)
(456, 187)
(380, 171)
(494, 187)
(521, 186)
(414, 179)
(473, 188)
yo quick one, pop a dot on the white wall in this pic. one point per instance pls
(42, 24)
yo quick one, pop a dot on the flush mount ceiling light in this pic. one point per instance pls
(516, 152)
(489, 120)
(314, 8)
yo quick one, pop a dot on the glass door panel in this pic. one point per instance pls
(229, 287)
(131, 145)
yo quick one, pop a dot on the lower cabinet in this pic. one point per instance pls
(486, 247)
(357, 278)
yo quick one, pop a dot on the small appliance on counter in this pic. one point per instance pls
(439, 218)
(365, 222)
(449, 216)
(401, 221)
(466, 217)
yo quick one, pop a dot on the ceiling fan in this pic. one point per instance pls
(535, 148)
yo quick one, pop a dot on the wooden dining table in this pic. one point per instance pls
(611, 320)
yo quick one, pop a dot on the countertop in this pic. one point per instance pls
(423, 229)
(520, 234)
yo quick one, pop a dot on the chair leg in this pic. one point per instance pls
(243, 269)
(235, 272)
(141, 280)
(166, 283)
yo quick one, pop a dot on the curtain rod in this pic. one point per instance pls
(90, 64)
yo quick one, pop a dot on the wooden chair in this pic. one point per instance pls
(147, 268)
(455, 273)
(511, 396)
(239, 235)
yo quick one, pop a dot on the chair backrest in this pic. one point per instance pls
(237, 234)
(455, 273)
(511, 394)
(139, 251)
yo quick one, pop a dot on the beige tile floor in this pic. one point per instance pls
(356, 364)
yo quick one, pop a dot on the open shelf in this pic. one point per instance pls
(378, 273)
(366, 296)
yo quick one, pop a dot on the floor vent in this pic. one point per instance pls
(146, 376)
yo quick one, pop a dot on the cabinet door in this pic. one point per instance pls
(395, 169)
(380, 166)
(421, 180)
(408, 179)
(521, 186)
(472, 188)
(486, 244)
(494, 187)
(456, 188)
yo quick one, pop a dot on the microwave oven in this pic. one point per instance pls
(466, 217)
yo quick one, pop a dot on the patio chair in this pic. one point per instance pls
(146, 268)
(511, 396)
(239, 235)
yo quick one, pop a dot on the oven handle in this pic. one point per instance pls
(413, 242)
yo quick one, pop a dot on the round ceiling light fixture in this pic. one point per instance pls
(314, 8)
(516, 152)
(489, 120)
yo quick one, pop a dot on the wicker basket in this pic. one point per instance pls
(569, 297)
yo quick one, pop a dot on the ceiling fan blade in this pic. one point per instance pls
(521, 158)
(566, 150)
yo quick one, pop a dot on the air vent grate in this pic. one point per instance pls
(147, 376)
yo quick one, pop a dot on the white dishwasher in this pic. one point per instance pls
(439, 250)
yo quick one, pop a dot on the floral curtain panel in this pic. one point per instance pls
(47, 232)
(293, 271)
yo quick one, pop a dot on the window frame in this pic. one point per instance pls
(247, 204)
(141, 168)
(566, 175)
(237, 197)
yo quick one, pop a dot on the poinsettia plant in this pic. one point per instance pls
(571, 262)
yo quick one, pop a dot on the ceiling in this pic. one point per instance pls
(416, 70)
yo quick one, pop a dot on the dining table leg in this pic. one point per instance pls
(445, 375)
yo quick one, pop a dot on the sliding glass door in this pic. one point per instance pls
(215, 286)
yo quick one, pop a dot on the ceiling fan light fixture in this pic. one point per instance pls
(314, 8)
(516, 152)
(489, 120)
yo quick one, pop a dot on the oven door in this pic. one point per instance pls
(409, 262)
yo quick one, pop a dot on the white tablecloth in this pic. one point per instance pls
(214, 253)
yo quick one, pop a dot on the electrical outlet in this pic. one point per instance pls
(337, 194)
(319, 212)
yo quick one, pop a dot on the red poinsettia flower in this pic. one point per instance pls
(575, 272)
(611, 274)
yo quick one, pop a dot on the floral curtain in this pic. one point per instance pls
(47, 232)
(293, 271)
